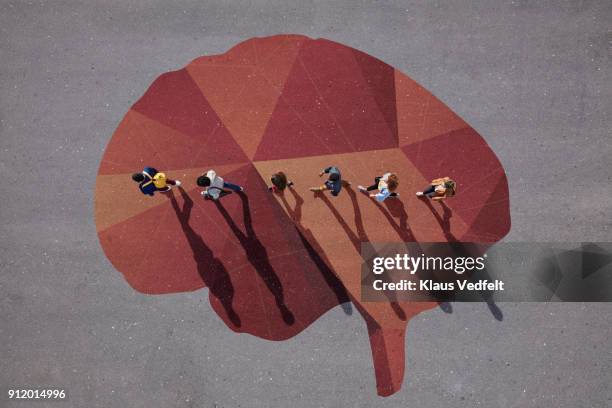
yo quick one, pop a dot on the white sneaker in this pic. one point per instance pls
(178, 182)
(241, 188)
(419, 194)
(362, 189)
(203, 193)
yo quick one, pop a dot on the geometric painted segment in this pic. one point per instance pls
(327, 106)
(380, 81)
(175, 101)
(244, 96)
(482, 184)
(420, 115)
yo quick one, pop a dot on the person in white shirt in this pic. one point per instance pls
(215, 187)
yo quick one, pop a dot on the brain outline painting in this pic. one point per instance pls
(274, 263)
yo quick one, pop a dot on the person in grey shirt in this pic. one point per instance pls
(215, 187)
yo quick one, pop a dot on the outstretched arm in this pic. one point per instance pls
(325, 171)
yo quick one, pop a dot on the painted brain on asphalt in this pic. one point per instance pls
(275, 263)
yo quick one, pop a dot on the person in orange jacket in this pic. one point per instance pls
(439, 189)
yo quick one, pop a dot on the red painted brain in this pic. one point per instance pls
(275, 263)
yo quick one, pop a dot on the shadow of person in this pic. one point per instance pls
(211, 270)
(460, 248)
(257, 255)
(315, 253)
(443, 220)
(294, 213)
(395, 208)
(359, 238)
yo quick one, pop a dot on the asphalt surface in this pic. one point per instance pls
(533, 78)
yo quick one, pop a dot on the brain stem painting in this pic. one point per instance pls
(274, 261)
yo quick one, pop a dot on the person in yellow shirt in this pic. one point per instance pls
(439, 189)
(150, 180)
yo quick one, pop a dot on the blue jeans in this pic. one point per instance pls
(233, 187)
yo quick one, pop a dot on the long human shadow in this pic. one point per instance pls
(257, 255)
(211, 269)
(359, 238)
(395, 208)
(315, 252)
(459, 247)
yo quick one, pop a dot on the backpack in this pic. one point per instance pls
(159, 180)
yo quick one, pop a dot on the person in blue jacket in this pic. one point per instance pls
(334, 181)
(150, 180)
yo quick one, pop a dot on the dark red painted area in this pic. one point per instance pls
(489, 224)
(301, 125)
(337, 77)
(462, 156)
(175, 100)
(380, 80)
(332, 103)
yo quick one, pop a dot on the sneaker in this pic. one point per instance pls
(241, 189)
(177, 182)
(290, 184)
(419, 194)
(394, 195)
(362, 189)
(203, 193)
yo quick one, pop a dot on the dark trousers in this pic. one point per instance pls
(430, 191)
(375, 185)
